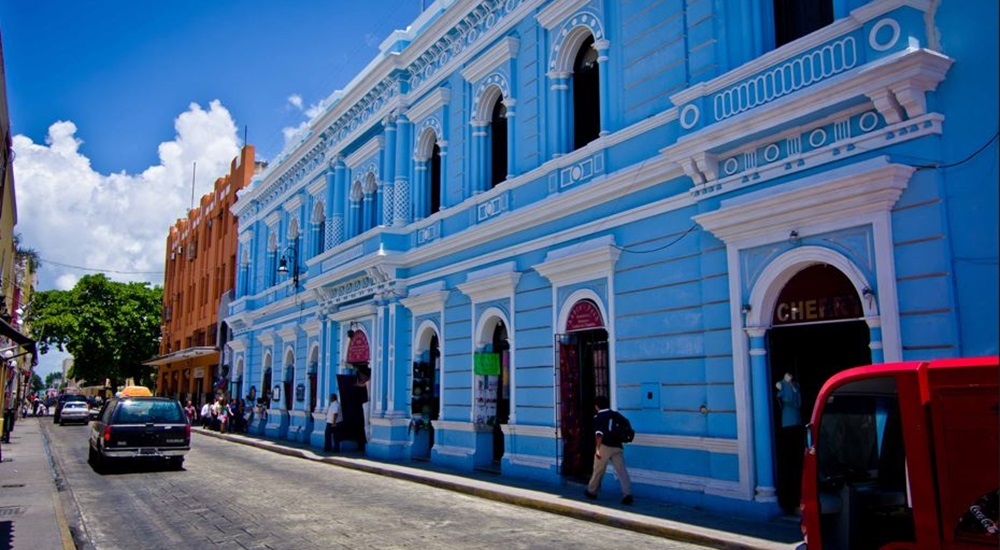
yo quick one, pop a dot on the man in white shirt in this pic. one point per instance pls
(205, 411)
(333, 420)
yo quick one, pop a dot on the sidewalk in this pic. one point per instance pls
(31, 514)
(658, 519)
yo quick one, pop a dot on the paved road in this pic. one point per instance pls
(234, 496)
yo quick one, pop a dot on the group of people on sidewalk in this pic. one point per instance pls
(221, 415)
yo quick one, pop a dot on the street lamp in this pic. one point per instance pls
(283, 262)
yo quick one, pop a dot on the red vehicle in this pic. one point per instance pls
(905, 456)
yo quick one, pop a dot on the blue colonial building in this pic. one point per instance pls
(521, 205)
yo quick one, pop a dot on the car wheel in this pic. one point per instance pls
(91, 455)
(176, 463)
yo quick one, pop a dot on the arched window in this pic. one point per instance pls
(319, 229)
(794, 19)
(370, 206)
(586, 95)
(435, 180)
(498, 143)
(357, 220)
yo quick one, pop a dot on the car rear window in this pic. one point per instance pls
(75, 405)
(132, 411)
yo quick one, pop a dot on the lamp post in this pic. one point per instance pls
(283, 262)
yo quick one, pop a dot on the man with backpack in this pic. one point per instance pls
(611, 431)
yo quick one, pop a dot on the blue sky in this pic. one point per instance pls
(112, 103)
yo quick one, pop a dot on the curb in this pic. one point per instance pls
(527, 498)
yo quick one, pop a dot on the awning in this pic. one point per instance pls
(26, 344)
(189, 353)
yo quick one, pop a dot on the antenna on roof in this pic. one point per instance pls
(194, 170)
(244, 135)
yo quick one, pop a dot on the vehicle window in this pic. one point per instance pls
(75, 405)
(140, 412)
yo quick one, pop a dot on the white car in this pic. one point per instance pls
(75, 411)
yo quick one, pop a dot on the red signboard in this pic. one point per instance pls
(584, 316)
(357, 349)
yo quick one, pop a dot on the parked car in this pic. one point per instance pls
(74, 411)
(62, 400)
(140, 429)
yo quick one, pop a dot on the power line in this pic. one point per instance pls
(657, 249)
(43, 261)
(963, 161)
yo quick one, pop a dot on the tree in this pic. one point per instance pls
(36, 383)
(53, 379)
(108, 327)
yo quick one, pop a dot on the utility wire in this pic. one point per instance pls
(963, 161)
(45, 261)
(659, 248)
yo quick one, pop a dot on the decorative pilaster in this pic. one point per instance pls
(560, 100)
(604, 79)
(875, 339)
(388, 171)
(420, 185)
(339, 200)
(404, 128)
(509, 104)
(480, 141)
(761, 396)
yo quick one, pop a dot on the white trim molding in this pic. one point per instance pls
(586, 261)
(504, 50)
(493, 283)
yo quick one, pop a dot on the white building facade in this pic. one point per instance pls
(521, 205)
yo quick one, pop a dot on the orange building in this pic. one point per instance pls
(198, 280)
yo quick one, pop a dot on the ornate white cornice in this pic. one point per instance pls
(272, 219)
(368, 149)
(586, 261)
(311, 328)
(266, 338)
(291, 204)
(238, 345)
(432, 101)
(354, 313)
(492, 283)
(489, 60)
(866, 187)
(557, 12)
(426, 299)
(288, 333)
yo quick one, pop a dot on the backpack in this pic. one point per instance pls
(622, 429)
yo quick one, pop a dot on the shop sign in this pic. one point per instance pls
(584, 316)
(817, 293)
(199, 372)
(357, 348)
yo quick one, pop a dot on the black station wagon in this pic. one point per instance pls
(140, 429)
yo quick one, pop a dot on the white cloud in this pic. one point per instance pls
(74, 215)
(295, 100)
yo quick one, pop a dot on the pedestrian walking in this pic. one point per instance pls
(191, 412)
(333, 420)
(608, 443)
(206, 411)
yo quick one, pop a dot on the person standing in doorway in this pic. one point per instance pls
(609, 448)
(333, 420)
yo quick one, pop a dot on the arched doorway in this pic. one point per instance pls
(355, 388)
(817, 330)
(583, 374)
(425, 394)
(501, 347)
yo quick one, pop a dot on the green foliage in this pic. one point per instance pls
(36, 383)
(52, 379)
(108, 327)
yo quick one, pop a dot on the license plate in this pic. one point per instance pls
(148, 452)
